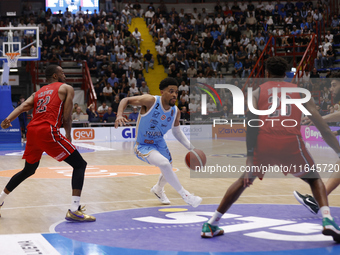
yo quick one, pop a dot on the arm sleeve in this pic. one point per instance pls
(180, 136)
(252, 133)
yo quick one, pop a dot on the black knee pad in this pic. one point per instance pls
(79, 165)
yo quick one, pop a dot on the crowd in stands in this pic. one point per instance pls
(189, 44)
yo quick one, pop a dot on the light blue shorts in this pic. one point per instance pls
(142, 151)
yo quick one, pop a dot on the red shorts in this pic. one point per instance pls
(287, 151)
(46, 138)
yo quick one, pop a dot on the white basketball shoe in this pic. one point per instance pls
(160, 194)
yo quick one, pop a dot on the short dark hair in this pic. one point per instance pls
(276, 66)
(335, 75)
(168, 82)
(50, 70)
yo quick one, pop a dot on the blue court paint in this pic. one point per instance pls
(67, 246)
(249, 228)
(17, 149)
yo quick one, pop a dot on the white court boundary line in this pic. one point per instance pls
(145, 200)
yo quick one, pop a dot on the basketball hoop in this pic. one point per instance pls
(12, 58)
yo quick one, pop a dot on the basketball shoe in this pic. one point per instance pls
(308, 201)
(330, 228)
(160, 194)
(79, 215)
(210, 231)
(190, 199)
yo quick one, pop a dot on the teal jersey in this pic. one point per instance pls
(153, 125)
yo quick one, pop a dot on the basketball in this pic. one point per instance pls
(195, 158)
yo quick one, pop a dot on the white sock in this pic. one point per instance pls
(157, 159)
(183, 192)
(326, 212)
(161, 182)
(75, 203)
(3, 195)
(214, 220)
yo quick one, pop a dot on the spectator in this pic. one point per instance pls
(134, 90)
(224, 114)
(112, 80)
(182, 103)
(115, 104)
(211, 107)
(185, 116)
(109, 116)
(193, 105)
(107, 93)
(238, 68)
(148, 61)
(131, 79)
(75, 106)
(93, 114)
(318, 59)
(134, 115)
(246, 68)
(76, 115)
(214, 61)
(137, 35)
(161, 53)
(327, 61)
(192, 72)
(144, 89)
(103, 108)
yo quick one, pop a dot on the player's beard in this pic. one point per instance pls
(171, 103)
(63, 80)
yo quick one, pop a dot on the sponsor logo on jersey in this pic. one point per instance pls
(169, 119)
(152, 126)
(149, 141)
(155, 122)
(172, 112)
(83, 134)
(155, 114)
(163, 117)
(164, 125)
(153, 134)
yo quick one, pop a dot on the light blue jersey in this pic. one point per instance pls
(151, 128)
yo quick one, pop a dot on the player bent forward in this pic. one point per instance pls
(52, 106)
(158, 114)
(334, 180)
(280, 146)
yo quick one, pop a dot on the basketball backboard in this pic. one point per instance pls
(22, 40)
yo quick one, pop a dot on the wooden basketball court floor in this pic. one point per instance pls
(116, 181)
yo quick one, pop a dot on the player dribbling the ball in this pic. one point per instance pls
(158, 114)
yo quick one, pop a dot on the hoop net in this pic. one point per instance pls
(12, 59)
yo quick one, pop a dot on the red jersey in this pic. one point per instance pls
(48, 108)
(293, 113)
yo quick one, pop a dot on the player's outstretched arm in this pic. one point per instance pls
(333, 117)
(24, 107)
(322, 126)
(144, 100)
(178, 133)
